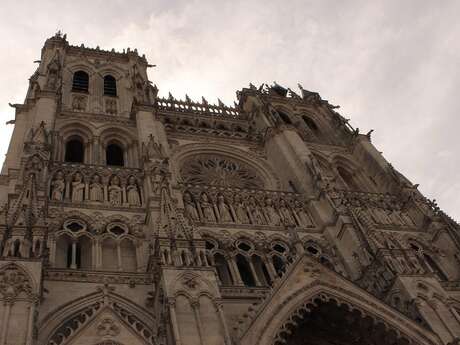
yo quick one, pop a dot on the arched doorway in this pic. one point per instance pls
(326, 322)
(74, 151)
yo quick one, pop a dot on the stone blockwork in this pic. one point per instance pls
(133, 219)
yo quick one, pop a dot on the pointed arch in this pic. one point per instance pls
(261, 167)
(63, 322)
(304, 287)
(16, 281)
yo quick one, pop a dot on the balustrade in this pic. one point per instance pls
(203, 108)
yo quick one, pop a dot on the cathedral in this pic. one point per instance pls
(133, 219)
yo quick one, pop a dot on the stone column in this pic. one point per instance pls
(96, 151)
(98, 260)
(73, 264)
(120, 265)
(30, 321)
(125, 199)
(52, 246)
(271, 270)
(234, 271)
(6, 317)
(196, 311)
(223, 322)
(175, 326)
(254, 273)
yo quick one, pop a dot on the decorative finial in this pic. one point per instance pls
(368, 134)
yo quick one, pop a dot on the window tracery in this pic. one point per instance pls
(219, 171)
(79, 245)
(242, 262)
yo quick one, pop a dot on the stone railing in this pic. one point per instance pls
(95, 184)
(224, 205)
(203, 108)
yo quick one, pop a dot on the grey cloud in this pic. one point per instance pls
(391, 65)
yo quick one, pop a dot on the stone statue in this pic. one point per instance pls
(190, 208)
(224, 210)
(111, 106)
(302, 217)
(152, 150)
(270, 212)
(8, 249)
(285, 213)
(132, 192)
(241, 210)
(115, 192)
(254, 210)
(206, 208)
(314, 167)
(96, 191)
(78, 188)
(158, 171)
(53, 68)
(57, 187)
(79, 103)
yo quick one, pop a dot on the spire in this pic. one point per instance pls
(172, 223)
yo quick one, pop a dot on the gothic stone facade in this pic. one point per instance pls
(133, 219)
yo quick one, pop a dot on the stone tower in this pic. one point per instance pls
(132, 219)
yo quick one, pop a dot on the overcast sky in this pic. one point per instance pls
(392, 66)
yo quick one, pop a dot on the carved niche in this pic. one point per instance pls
(219, 171)
(13, 281)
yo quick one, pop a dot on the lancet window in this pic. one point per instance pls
(347, 178)
(286, 119)
(74, 151)
(246, 266)
(110, 86)
(114, 155)
(114, 248)
(314, 250)
(310, 124)
(80, 81)
(222, 268)
(73, 252)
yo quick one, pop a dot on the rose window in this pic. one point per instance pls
(219, 171)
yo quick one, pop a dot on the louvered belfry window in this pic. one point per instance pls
(110, 86)
(80, 81)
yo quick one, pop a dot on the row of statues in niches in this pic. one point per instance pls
(246, 208)
(76, 188)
